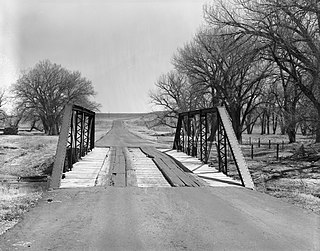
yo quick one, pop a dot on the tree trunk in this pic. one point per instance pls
(318, 126)
(268, 123)
(282, 126)
(291, 132)
(249, 124)
(52, 125)
(236, 123)
(263, 127)
(274, 123)
(45, 126)
(304, 128)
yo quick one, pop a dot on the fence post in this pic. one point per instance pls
(259, 142)
(269, 144)
(278, 151)
(251, 151)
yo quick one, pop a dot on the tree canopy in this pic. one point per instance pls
(259, 58)
(43, 91)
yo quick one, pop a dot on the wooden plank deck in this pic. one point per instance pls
(117, 171)
(171, 170)
(208, 174)
(143, 169)
(85, 172)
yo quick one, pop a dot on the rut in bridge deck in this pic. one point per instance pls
(122, 173)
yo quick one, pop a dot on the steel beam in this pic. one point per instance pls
(78, 135)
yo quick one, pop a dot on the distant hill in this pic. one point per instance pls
(119, 115)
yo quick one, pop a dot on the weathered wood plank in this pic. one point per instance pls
(175, 175)
(117, 173)
(185, 177)
(131, 172)
(163, 166)
(186, 174)
(170, 176)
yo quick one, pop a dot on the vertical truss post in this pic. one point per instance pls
(206, 138)
(183, 133)
(89, 133)
(188, 134)
(222, 148)
(82, 150)
(203, 136)
(68, 159)
(225, 153)
(177, 137)
(76, 136)
(192, 140)
(93, 131)
(86, 134)
(71, 143)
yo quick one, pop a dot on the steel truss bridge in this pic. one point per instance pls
(199, 132)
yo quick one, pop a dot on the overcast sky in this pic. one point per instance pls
(122, 46)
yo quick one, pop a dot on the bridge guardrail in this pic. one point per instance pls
(197, 131)
(76, 139)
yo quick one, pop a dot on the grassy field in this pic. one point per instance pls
(292, 177)
(22, 155)
(296, 181)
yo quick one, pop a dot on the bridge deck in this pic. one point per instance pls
(145, 167)
(85, 172)
(208, 174)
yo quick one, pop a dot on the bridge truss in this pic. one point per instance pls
(76, 139)
(199, 132)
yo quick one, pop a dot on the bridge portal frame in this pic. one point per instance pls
(76, 139)
(208, 129)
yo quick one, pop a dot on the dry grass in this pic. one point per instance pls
(13, 203)
(26, 155)
(296, 181)
(22, 155)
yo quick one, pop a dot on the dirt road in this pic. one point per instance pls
(132, 218)
(119, 135)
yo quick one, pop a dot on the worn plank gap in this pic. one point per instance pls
(118, 174)
(175, 175)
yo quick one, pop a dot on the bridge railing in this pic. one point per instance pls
(76, 139)
(195, 133)
(199, 131)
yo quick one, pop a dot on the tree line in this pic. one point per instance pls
(40, 94)
(259, 58)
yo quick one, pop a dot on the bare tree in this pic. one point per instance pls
(173, 94)
(2, 102)
(47, 88)
(228, 68)
(293, 27)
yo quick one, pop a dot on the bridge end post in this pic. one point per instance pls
(61, 148)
